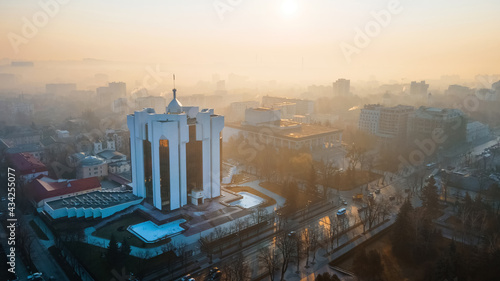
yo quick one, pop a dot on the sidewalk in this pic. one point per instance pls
(323, 258)
(41, 257)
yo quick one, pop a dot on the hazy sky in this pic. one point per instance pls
(271, 39)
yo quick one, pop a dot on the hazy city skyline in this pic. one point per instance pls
(284, 40)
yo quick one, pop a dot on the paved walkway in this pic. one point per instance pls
(44, 262)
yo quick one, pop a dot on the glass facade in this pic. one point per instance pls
(165, 175)
(194, 161)
(220, 151)
(148, 172)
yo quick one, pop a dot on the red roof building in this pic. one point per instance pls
(44, 189)
(26, 166)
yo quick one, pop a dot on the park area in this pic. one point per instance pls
(394, 269)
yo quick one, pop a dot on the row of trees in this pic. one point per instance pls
(374, 212)
(414, 238)
(290, 248)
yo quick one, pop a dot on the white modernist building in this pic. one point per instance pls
(175, 154)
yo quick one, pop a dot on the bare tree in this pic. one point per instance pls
(236, 269)
(25, 239)
(286, 247)
(219, 233)
(306, 241)
(206, 247)
(328, 171)
(314, 237)
(143, 256)
(329, 231)
(385, 209)
(181, 252)
(269, 261)
(240, 225)
(169, 247)
(259, 214)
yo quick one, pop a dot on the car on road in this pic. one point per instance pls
(344, 202)
(341, 212)
(292, 234)
(187, 278)
(377, 191)
(214, 275)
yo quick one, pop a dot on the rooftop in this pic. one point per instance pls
(95, 199)
(29, 147)
(110, 154)
(288, 130)
(45, 187)
(91, 161)
(26, 163)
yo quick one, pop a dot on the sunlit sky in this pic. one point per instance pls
(271, 39)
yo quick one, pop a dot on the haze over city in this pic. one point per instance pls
(233, 140)
(290, 41)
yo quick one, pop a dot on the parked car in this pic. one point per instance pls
(377, 191)
(35, 276)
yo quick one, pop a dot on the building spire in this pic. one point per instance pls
(174, 89)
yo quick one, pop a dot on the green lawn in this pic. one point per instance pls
(119, 229)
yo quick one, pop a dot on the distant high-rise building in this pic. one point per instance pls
(425, 121)
(237, 112)
(303, 107)
(369, 118)
(342, 87)
(419, 88)
(392, 127)
(496, 87)
(175, 154)
(317, 91)
(457, 90)
(220, 88)
(157, 103)
(22, 64)
(8, 80)
(118, 89)
(113, 91)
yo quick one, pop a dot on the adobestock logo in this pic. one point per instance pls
(39, 19)
(363, 37)
(223, 6)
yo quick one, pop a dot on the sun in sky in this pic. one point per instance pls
(289, 7)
